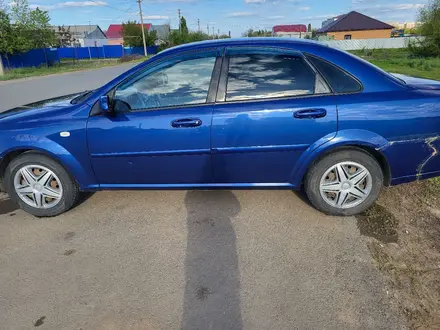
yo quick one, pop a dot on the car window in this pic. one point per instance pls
(179, 83)
(256, 76)
(339, 80)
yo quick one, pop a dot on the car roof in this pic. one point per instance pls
(268, 41)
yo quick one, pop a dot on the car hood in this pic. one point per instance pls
(48, 105)
(418, 83)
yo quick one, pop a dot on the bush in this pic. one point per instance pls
(429, 18)
(424, 48)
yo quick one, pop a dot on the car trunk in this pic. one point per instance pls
(419, 83)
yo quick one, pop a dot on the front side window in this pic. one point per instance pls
(180, 83)
(258, 76)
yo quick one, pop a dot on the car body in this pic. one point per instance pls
(231, 124)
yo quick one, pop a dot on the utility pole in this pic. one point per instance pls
(180, 21)
(208, 28)
(142, 27)
(213, 32)
(198, 24)
(218, 33)
(229, 34)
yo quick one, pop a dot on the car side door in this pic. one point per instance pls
(271, 106)
(159, 131)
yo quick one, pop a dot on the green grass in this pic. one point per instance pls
(66, 65)
(401, 61)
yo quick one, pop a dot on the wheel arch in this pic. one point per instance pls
(12, 154)
(377, 155)
(366, 141)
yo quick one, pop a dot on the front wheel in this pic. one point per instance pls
(346, 182)
(40, 185)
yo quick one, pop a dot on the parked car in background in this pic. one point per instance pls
(397, 33)
(229, 114)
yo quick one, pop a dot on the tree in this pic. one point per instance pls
(309, 28)
(31, 28)
(183, 26)
(65, 38)
(10, 41)
(132, 35)
(429, 18)
(40, 30)
(257, 33)
(6, 45)
(20, 12)
(177, 38)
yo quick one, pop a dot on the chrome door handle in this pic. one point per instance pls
(310, 113)
(186, 122)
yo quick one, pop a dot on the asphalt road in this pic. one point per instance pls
(184, 259)
(22, 91)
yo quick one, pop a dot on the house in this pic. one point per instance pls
(114, 35)
(355, 25)
(290, 31)
(82, 35)
(162, 31)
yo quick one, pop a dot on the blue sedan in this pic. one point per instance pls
(228, 114)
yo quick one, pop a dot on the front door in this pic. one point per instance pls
(160, 132)
(272, 105)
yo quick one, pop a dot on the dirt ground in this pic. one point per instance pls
(405, 225)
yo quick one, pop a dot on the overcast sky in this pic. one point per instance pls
(227, 15)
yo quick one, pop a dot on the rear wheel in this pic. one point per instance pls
(40, 185)
(346, 182)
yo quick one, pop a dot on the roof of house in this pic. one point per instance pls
(354, 21)
(78, 30)
(290, 28)
(114, 30)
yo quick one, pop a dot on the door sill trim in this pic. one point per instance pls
(186, 186)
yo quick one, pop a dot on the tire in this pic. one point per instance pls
(330, 165)
(65, 187)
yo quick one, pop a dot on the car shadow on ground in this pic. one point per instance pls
(301, 194)
(212, 290)
(7, 206)
(84, 196)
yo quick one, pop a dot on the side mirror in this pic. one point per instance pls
(104, 103)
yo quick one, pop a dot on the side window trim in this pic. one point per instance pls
(215, 80)
(237, 50)
(223, 82)
(158, 65)
(307, 55)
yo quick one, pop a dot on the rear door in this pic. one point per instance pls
(271, 106)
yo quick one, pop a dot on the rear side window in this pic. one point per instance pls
(339, 80)
(258, 76)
